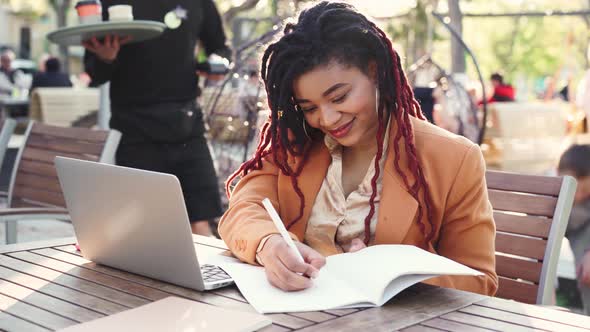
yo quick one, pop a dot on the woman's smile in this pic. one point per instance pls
(342, 130)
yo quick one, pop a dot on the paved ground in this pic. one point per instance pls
(37, 230)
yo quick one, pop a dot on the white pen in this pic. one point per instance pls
(281, 227)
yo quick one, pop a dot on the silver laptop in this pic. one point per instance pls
(134, 220)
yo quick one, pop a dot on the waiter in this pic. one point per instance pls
(153, 94)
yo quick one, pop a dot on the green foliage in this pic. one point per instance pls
(526, 47)
(526, 50)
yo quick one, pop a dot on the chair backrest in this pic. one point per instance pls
(6, 132)
(531, 214)
(62, 106)
(34, 179)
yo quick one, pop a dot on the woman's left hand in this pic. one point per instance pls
(354, 245)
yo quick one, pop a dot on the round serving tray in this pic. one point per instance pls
(138, 30)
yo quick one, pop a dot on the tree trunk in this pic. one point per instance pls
(274, 7)
(457, 52)
(61, 8)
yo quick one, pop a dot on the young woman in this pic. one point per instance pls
(348, 161)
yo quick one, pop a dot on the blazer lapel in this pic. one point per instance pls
(397, 211)
(398, 207)
(309, 181)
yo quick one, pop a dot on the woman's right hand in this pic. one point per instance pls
(283, 268)
(108, 50)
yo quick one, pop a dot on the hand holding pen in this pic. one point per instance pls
(288, 266)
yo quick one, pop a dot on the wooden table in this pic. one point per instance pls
(48, 286)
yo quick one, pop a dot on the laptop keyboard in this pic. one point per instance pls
(212, 273)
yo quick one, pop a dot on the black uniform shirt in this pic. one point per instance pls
(160, 70)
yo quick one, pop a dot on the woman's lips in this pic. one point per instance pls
(342, 130)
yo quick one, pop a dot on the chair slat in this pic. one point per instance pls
(531, 184)
(529, 204)
(72, 133)
(517, 268)
(49, 156)
(64, 145)
(38, 182)
(33, 194)
(38, 168)
(17, 202)
(518, 291)
(523, 225)
(521, 246)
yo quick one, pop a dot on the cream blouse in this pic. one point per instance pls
(336, 220)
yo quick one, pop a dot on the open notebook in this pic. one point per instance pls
(367, 278)
(175, 315)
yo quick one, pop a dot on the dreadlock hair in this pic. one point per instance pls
(324, 33)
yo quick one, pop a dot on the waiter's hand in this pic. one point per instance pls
(108, 50)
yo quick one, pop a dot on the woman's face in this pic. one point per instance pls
(340, 101)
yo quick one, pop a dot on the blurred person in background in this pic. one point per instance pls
(8, 75)
(41, 62)
(52, 76)
(6, 59)
(502, 91)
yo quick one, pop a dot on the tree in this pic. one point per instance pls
(61, 8)
(457, 52)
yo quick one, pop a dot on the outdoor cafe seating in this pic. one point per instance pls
(525, 137)
(34, 191)
(530, 212)
(62, 106)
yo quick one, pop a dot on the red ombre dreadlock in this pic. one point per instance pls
(332, 31)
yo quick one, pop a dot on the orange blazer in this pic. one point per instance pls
(454, 169)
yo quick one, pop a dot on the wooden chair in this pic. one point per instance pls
(62, 106)
(531, 214)
(34, 191)
(8, 126)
